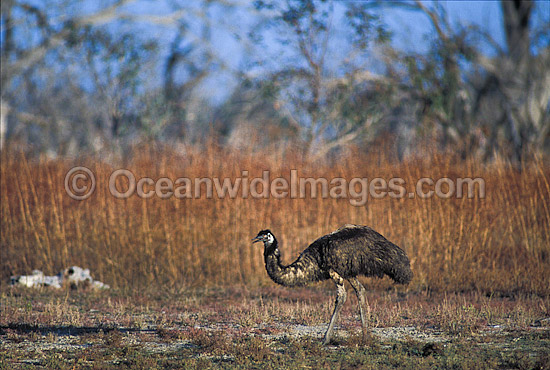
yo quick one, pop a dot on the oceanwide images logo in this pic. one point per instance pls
(80, 183)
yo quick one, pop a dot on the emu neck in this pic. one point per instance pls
(300, 272)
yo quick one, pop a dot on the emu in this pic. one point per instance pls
(345, 253)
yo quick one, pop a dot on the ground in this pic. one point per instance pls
(270, 327)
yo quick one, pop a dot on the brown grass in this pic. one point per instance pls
(497, 244)
(263, 328)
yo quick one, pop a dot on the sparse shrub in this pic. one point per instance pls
(209, 341)
(113, 338)
(252, 349)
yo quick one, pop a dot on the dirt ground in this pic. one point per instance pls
(269, 328)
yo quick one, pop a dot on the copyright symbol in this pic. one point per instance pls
(79, 183)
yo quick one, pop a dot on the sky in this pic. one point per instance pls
(412, 30)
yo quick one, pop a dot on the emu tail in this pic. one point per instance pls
(399, 268)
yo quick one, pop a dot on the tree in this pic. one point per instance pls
(44, 82)
(475, 103)
(316, 87)
(75, 80)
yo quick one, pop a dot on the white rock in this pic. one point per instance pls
(74, 276)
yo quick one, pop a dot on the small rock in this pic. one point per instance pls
(75, 277)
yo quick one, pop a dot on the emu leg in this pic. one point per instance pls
(360, 292)
(340, 300)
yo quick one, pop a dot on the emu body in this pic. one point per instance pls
(344, 254)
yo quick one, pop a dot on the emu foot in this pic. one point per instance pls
(328, 339)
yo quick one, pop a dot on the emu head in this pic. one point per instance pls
(266, 237)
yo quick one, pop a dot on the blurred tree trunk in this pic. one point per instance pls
(517, 14)
(6, 50)
(4, 110)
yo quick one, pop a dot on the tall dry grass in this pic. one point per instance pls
(500, 243)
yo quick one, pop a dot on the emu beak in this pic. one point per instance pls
(257, 239)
